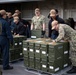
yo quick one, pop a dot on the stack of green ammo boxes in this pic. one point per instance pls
(45, 56)
(16, 50)
(37, 56)
(55, 57)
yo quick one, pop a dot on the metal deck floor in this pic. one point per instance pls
(19, 69)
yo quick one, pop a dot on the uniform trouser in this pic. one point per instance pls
(73, 57)
(4, 44)
(73, 53)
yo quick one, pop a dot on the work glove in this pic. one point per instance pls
(43, 33)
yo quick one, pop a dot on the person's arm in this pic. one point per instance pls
(43, 26)
(61, 34)
(14, 31)
(22, 30)
(32, 24)
(8, 32)
(61, 20)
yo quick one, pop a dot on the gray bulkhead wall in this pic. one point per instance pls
(27, 9)
(66, 8)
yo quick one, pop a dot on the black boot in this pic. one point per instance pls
(73, 70)
(8, 68)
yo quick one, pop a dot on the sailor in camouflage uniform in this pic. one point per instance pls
(38, 21)
(67, 32)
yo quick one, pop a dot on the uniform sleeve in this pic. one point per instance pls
(61, 34)
(62, 21)
(8, 32)
(32, 21)
(22, 30)
(44, 20)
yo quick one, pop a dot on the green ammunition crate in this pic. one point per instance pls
(55, 51)
(25, 48)
(37, 50)
(15, 43)
(21, 53)
(44, 48)
(25, 51)
(65, 53)
(31, 63)
(31, 44)
(44, 66)
(31, 52)
(66, 46)
(37, 44)
(66, 60)
(55, 66)
(37, 64)
(25, 43)
(20, 43)
(31, 49)
(17, 54)
(26, 61)
(21, 38)
(36, 34)
(11, 55)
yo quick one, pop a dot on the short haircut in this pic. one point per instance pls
(56, 11)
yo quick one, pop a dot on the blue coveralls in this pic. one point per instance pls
(53, 34)
(5, 38)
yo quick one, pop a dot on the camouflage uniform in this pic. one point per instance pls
(38, 22)
(70, 34)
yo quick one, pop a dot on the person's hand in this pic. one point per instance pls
(25, 26)
(17, 34)
(14, 33)
(53, 41)
(43, 32)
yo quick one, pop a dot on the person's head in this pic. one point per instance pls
(18, 12)
(9, 14)
(15, 15)
(55, 25)
(16, 19)
(53, 13)
(37, 12)
(3, 14)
